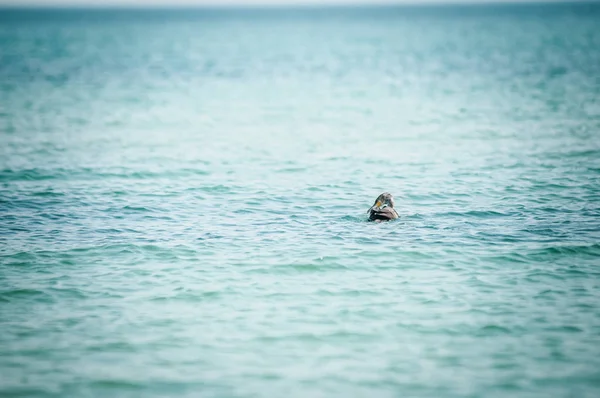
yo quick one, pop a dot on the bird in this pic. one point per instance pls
(383, 208)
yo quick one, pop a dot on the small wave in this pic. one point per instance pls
(566, 328)
(25, 294)
(536, 275)
(141, 209)
(117, 385)
(292, 170)
(352, 218)
(119, 346)
(550, 293)
(566, 250)
(75, 254)
(10, 175)
(585, 153)
(47, 194)
(476, 214)
(494, 330)
(191, 296)
(67, 293)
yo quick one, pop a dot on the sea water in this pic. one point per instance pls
(183, 199)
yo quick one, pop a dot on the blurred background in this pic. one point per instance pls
(183, 197)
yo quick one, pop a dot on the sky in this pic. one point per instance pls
(239, 2)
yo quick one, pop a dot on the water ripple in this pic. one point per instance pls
(183, 201)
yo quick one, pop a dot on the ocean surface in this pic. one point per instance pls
(183, 199)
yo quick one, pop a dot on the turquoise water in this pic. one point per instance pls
(183, 201)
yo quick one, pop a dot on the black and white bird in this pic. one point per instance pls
(383, 208)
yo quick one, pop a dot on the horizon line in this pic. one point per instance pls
(293, 4)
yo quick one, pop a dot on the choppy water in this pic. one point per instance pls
(183, 198)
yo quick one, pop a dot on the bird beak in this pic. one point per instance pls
(375, 206)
